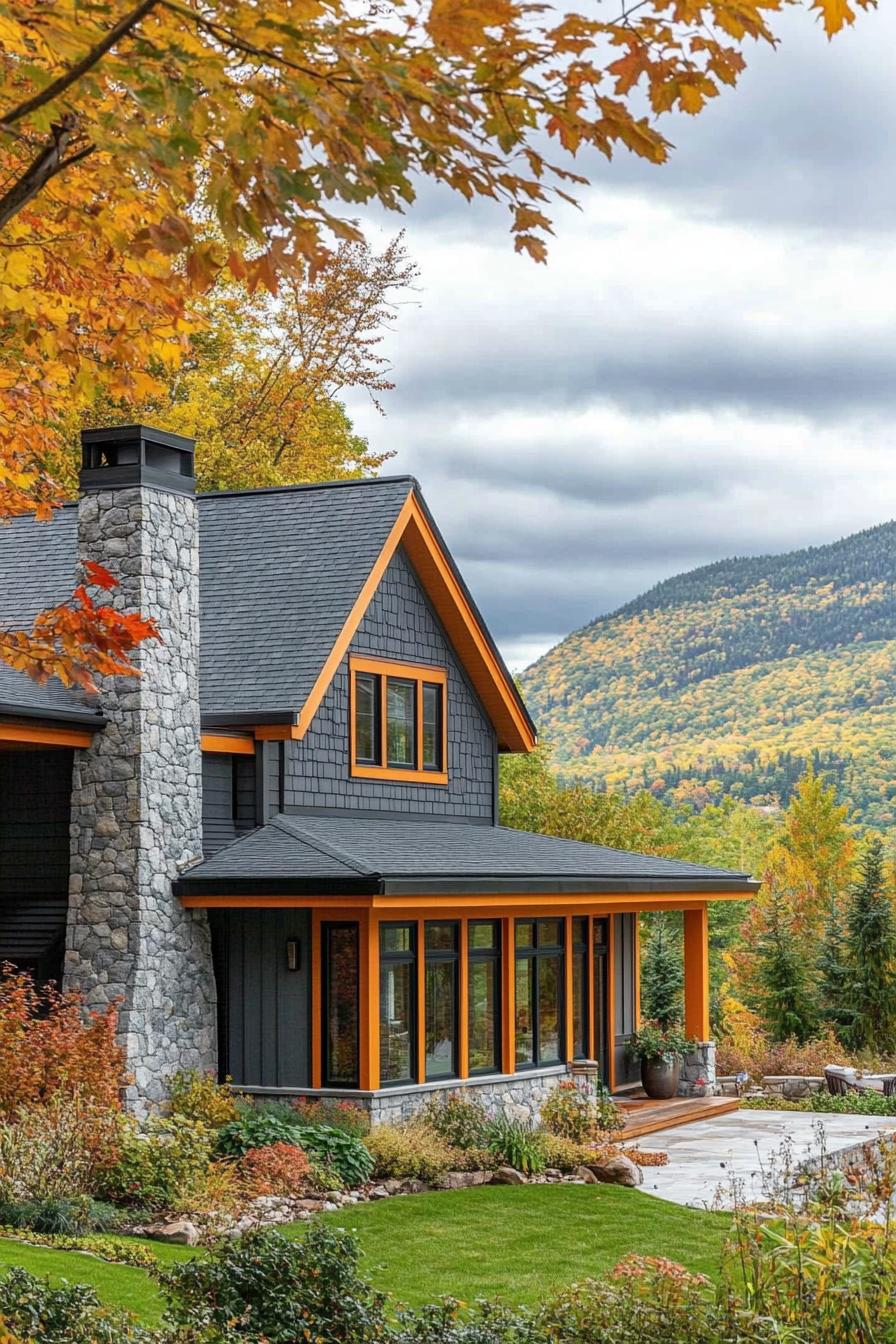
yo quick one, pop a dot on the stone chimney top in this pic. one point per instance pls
(136, 455)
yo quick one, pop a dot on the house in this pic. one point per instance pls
(279, 847)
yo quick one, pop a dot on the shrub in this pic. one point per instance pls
(570, 1114)
(256, 1127)
(166, 1166)
(410, 1151)
(278, 1169)
(460, 1121)
(854, 1103)
(69, 1217)
(263, 1287)
(564, 1154)
(342, 1115)
(117, 1250)
(58, 1148)
(69, 1314)
(517, 1145)
(198, 1096)
(49, 1045)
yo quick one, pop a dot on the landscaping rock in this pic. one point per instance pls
(585, 1175)
(379, 1192)
(508, 1176)
(463, 1180)
(308, 1205)
(619, 1170)
(179, 1231)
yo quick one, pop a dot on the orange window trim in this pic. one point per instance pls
(419, 673)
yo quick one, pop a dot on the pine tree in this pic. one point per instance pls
(834, 976)
(662, 975)
(783, 977)
(871, 935)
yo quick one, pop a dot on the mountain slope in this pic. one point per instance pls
(724, 679)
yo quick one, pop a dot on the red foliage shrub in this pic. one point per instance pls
(49, 1045)
(276, 1169)
(342, 1115)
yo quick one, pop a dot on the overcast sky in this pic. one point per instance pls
(705, 367)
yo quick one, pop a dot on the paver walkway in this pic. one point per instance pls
(705, 1155)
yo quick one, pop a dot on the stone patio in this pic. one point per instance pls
(704, 1155)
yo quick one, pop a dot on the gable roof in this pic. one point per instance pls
(361, 855)
(286, 575)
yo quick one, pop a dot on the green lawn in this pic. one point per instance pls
(513, 1242)
(520, 1242)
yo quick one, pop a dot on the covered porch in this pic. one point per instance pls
(500, 982)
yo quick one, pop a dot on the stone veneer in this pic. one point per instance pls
(137, 801)
(700, 1065)
(518, 1096)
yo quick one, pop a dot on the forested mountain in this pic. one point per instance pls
(726, 679)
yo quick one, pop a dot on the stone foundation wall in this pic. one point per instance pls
(698, 1072)
(136, 819)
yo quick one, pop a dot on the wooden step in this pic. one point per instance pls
(648, 1117)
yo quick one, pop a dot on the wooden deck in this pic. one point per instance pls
(643, 1116)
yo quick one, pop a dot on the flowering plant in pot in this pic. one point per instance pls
(660, 1049)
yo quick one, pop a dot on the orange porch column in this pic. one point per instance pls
(370, 1002)
(696, 973)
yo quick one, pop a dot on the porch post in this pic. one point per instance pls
(370, 1002)
(696, 973)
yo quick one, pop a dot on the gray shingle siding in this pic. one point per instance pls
(228, 799)
(398, 624)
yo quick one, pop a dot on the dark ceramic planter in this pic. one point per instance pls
(659, 1077)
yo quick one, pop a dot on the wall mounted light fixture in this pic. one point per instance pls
(293, 954)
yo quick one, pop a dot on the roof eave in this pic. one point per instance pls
(84, 718)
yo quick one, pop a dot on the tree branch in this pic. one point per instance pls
(87, 62)
(50, 161)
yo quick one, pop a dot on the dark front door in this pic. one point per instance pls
(264, 1010)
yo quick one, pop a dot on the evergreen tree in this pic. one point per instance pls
(871, 934)
(662, 975)
(834, 976)
(783, 977)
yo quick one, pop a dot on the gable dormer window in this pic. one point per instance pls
(398, 721)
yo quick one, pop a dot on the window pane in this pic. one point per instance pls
(341, 1008)
(484, 935)
(580, 931)
(367, 744)
(396, 1020)
(550, 933)
(441, 937)
(580, 1004)
(432, 727)
(524, 1010)
(441, 1014)
(601, 932)
(484, 1024)
(400, 722)
(548, 1009)
(395, 938)
(524, 932)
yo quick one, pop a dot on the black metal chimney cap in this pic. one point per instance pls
(124, 455)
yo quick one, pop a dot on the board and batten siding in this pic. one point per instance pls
(625, 988)
(228, 799)
(400, 625)
(264, 1008)
(35, 812)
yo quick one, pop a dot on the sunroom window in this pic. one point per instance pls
(398, 721)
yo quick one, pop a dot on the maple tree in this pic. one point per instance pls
(146, 152)
(259, 387)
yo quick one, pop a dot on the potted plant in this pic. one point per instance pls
(660, 1050)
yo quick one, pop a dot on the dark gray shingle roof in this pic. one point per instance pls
(279, 572)
(399, 853)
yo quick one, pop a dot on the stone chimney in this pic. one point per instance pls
(137, 792)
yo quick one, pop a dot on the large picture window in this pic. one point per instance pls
(484, 1006)
(539, 991)
(398, 999)
(398, 721)
(339, 945)
(440, 1000)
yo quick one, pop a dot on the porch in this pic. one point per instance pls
(645, 1116)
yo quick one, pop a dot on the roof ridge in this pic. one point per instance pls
(287, 826)
(310, 485)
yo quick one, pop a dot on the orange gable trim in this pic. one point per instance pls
(413, 530)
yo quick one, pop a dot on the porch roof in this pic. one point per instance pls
(362, 855)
